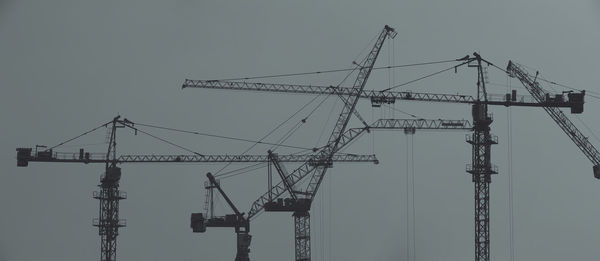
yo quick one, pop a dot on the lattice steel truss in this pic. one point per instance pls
(481, 170)
(108, 222)
(302, 235)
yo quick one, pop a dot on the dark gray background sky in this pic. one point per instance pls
(67, 66)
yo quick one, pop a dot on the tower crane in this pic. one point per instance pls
(199, 223)
(108, 222)
(481, 140)
(582, 142)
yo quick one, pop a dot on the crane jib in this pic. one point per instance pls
(379, 98)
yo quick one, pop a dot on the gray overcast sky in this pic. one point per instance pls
(67, 66)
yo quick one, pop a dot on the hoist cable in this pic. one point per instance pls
(510, 186)
(80, 135)
(84, 145)
(389, 71)
(164, 140)
(332, 71)
(243, 170)
(304, 120)
(597, 96)
(565, 86)
(398, 110)
(393, 60)
(372, 133)
(510, 179)
(326, 121)
(322, 221)
(369, 44)
(407, 203)
(330, 212)
(218, 136)
(285, 136)
(587, 127)
(414, 225)
(425, 76)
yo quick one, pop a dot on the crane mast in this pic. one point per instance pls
(582, 142)
(108, 222)
(481, 167)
